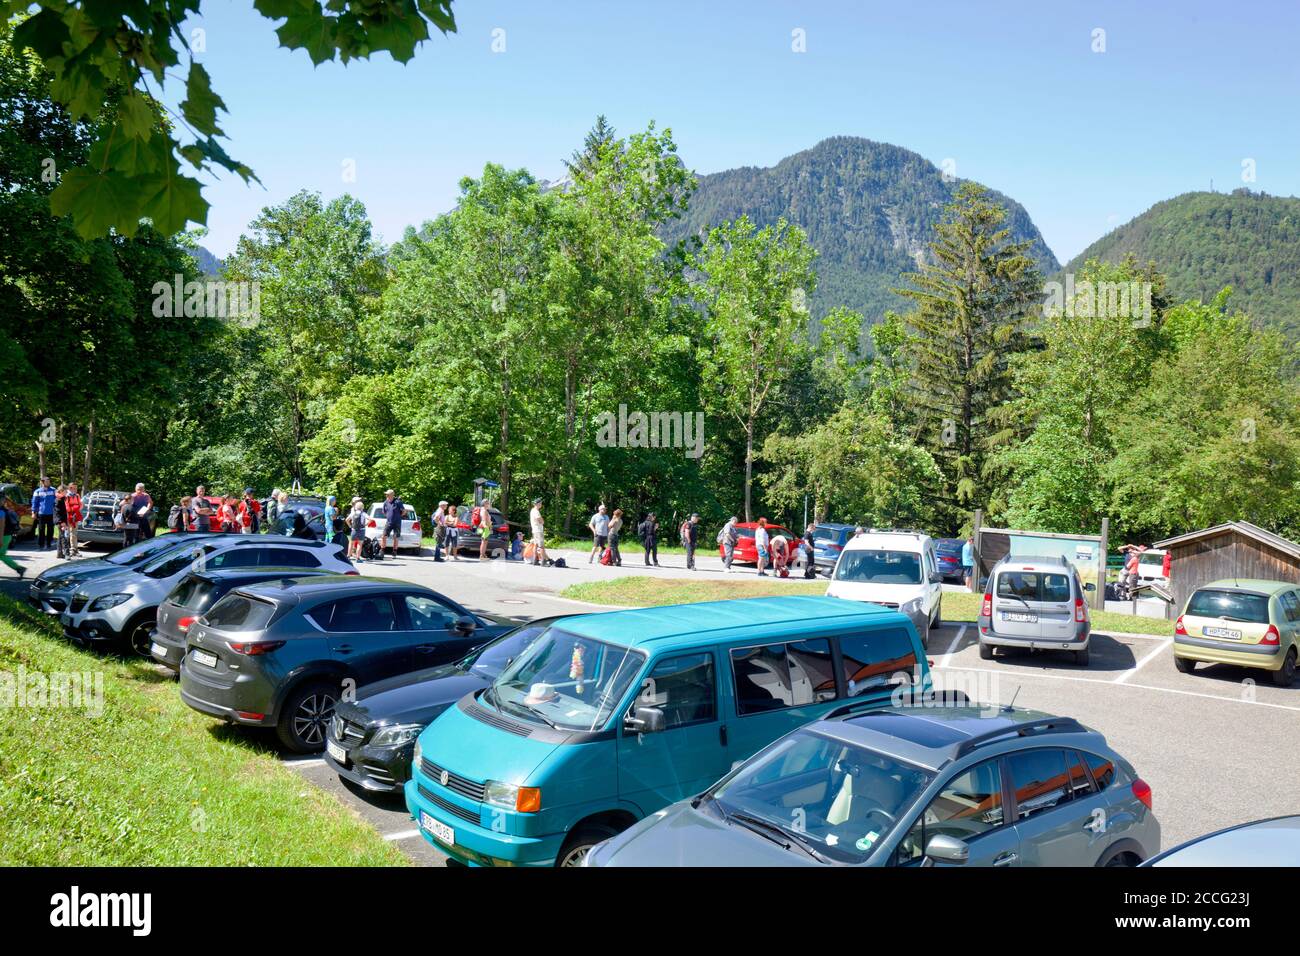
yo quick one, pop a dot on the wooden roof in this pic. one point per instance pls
(1275, 541)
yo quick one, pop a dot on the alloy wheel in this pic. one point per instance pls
(312, 717)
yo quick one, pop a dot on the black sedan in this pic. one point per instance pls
(371, 739)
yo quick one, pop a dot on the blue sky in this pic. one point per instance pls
(1012, 92)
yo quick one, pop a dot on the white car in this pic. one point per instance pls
(896, 569)
(412, 536)
(1151, 567)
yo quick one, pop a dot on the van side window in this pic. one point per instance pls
(877, 659)
(776, 676)
(684, 688)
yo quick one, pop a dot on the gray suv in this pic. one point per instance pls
(282, 654)
(1035, 604)
(927, 784)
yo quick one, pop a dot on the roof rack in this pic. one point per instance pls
(1040, 725)
(916, 531)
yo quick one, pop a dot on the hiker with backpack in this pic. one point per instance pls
(249, 513)
(728, 537)
(357, 528)
(648, 532)
(691, 538)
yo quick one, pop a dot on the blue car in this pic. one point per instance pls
(607, 718)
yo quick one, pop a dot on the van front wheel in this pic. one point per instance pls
(580, 842)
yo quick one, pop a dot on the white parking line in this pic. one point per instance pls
(1122, 678)
(1111, 683)
(401, 835)
(953, 646)
(304, 761)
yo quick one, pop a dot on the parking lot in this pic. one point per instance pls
(1215, 746)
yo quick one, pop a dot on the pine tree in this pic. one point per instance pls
(972, 303)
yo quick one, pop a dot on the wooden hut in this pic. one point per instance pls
(1237, 549)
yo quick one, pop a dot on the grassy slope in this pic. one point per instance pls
(649, 592)
(149, 781)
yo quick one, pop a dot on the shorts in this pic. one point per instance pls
(602, 540)
(358, 536)
(763, 553)
(484, 531)
(393, 529)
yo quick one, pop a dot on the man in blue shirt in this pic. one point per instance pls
(968, 561)
(43, 514)
(394, 510)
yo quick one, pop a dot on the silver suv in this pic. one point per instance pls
(122, 607)
(1036, 604)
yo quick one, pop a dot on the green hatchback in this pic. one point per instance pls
(1244, 622)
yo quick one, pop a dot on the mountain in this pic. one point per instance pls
(868, 208)
(209, 264)
(1203, 241)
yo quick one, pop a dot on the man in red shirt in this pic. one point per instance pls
(249, 513)
(72, 504)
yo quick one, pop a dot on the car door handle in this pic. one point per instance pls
(344, 648)
(1006, 859)
(722, 735)
(426, 648)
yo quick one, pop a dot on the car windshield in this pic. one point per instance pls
(566, 681)
(879, 567)
(826, 534)
(487, 662)
(1229, 606)
(1151, 558)
(831, 798)
(177, 560)
(142, 551)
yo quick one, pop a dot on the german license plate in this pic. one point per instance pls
(1021, 616)
(439, 831)
(338, 753)
(156, 648)
(203, 657)
(1224, 633)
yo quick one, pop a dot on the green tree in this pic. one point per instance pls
(972, 302)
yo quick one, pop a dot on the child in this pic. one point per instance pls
(517, 547)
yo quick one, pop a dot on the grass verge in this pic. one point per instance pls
(958, 606)
(147, 781)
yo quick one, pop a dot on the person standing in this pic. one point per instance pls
(394, 510)
(484, 528)
(331, 515)
(357, 529)
(968, 561)
(762, 542)
(8, 529)
(61, 521)
(691, 538)
(615, 527)
(599, 527)
(439, 530)
(72, 502)
(141, 505)
(810, 551)
(728, 537)
(43, 499)
(202, 509)
(453, 531)
(250, 513)
(184, 515)
(648, 532)
(538, 526)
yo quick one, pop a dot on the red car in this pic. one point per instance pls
(747, 553)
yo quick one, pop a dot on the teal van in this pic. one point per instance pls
(606, 718)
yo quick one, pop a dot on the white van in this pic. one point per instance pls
(896, 569)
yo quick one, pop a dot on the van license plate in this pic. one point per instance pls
(338, 753)
(1020, 616)
(439, 831)
(203, 657)
(1226, 633)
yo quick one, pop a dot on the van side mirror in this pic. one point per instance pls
(936, 577)
(946, 849)
(644, 720)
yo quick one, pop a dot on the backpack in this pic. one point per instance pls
(607, 556)
(722, 534)
(174, 517)
(685, 532)
(371, 551)
(474, 518)
(559, 563)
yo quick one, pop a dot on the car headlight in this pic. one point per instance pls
(911, 607)
(108, 601)
(396, 735)
(415, 759)
(521, 799)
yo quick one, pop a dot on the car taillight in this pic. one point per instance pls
(415, 526)
(987, 609)
(1179, 628)
(353, 571)
(1080, 611)
(1271, 636)
(253, 648)
(1142, 790)
(185, 622)
(371, 523)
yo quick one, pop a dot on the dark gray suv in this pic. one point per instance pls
(281, 654)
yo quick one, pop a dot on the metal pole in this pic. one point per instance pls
(1099, 598)
(975, 550)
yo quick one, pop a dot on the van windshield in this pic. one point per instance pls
(566, 681)
(879, 567)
